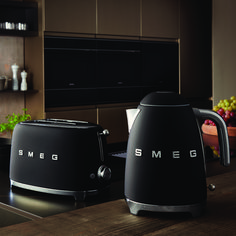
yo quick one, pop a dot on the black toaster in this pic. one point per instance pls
(63, 157)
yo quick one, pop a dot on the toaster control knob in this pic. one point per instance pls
(104, 173)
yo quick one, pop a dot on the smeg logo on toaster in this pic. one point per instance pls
(41, 155)
(158, 153)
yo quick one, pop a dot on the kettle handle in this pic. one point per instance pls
(221, 130)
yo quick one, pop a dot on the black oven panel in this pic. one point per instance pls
(83, 71)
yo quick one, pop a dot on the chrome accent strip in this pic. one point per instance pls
(194, 209)
(20, 212)
(78, 195)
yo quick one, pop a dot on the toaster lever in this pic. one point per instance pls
(105, 132)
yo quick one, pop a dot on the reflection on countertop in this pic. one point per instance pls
(43, 204)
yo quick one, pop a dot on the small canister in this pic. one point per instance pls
(3, 82)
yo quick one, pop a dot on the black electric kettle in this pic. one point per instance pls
(165, 165)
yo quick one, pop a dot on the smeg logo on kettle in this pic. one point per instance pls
(158, 154)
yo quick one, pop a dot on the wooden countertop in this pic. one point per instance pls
(113, 218)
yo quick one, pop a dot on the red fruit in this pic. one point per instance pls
(211, 123)
(220, 111)
(227, 116)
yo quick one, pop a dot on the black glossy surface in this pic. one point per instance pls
(107, 70)
(43, 204)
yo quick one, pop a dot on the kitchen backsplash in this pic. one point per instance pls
(11, 51)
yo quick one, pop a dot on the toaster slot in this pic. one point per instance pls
(68, 122)
(58, 122)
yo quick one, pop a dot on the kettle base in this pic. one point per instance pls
(136, 207)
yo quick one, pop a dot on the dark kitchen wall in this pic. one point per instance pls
(195, 51)
(224, 49)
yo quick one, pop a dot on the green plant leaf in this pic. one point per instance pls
(13, 120)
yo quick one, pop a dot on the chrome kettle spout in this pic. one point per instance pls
(131, 116)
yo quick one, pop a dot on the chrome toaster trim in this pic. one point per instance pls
(78, 195)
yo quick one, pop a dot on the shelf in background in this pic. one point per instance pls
(18, 91)
(14, 14)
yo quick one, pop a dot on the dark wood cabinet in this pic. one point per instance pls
(160, 18)
(71, 16)
(118, 17)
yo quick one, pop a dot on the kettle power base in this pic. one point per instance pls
(78, 195)
(195, 209)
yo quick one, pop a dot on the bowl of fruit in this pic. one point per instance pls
(227, 110)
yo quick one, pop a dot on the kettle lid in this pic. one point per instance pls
(163, 98)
